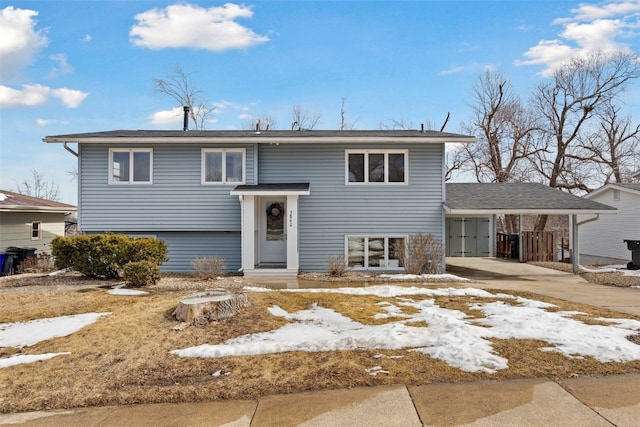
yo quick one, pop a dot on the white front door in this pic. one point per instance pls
(273, 237)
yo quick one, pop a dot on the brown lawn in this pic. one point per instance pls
(124, 358)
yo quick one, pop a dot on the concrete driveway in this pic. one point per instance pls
(494, 273)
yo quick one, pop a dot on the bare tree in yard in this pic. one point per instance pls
(505, 131)
(260, 123)
(343, 122)
(38, 187)
(614, 147)
(303, 119)
(577, 92)
(179, 87)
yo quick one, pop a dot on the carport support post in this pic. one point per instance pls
(520, 242)
(575, 245)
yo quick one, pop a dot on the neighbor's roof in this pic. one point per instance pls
(516, 198)
(269, 137)
(628, 187)
(15, 202)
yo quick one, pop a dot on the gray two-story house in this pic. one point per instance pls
(270, 202)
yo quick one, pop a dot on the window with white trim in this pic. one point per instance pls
(374, 252)
(130, 165)
(223, 166)
(36, 230)
(376, 166)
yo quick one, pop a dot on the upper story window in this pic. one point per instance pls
(376, 166)
(223, 166)
(36, 230)
(616, 195)
(130, 165)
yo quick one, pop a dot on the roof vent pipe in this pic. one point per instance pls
(185, 125)
(422, 127)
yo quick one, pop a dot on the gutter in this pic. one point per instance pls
(588, 220)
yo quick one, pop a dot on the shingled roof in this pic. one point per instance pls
(517, 198)
(16, 202)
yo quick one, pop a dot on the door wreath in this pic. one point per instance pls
(275, 211)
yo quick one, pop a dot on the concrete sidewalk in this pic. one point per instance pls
(494, 273)
(588, 401)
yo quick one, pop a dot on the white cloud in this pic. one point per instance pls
(452, 70)
(185, 25)
(167, 117)
(63, 65)
(19, 41)
(34, 95)
(87, 38)
(29, 96)
(45, 122)
(591, 28)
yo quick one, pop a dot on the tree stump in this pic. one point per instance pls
(210, 306)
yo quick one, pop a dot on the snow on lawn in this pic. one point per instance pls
(425, 277)
(23, 334)
(622, 269)
(126, 292)
(27, 358)
(450, 335)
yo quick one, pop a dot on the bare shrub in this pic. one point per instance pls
(41, 263)
(421, 253)
(336, 265)
(209, 268)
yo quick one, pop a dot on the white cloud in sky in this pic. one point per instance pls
(63, 66)
(591, 28)
(19, 41)
(167, 117)
(452, 70)
(87, 38)
(45, 122)
(33, 95)
(186, 25)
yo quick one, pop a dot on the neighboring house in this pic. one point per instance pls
(30, 222)
(602, 241)
(271, 202)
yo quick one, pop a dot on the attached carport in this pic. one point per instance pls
(487, 200)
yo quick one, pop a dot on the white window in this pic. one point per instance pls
(36, 230)
(374, 252)
(616, 195)
(376, 167)
(130, 165)
(223, 166)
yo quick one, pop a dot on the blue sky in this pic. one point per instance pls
(81, 66)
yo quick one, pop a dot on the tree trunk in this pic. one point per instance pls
(210, 306)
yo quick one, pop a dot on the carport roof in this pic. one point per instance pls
(517, 198)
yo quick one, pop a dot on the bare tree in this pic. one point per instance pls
(396, 124)
(38, 187)
(505, 131)
(179, 87)
(614, 147)
(578, 91)
(303, 119)
(260, 123)
(343, 122)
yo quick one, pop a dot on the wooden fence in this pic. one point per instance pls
(536, 246)
(539, 246)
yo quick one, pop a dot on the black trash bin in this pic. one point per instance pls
(515, 246)
(634, 247)
(19, 254)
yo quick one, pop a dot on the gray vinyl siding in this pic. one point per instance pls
(175, 200)
(184, 247)
(334, 210)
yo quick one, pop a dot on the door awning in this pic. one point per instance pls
(283, 189)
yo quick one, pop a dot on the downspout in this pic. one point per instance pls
(69, 149)
(576, 242)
